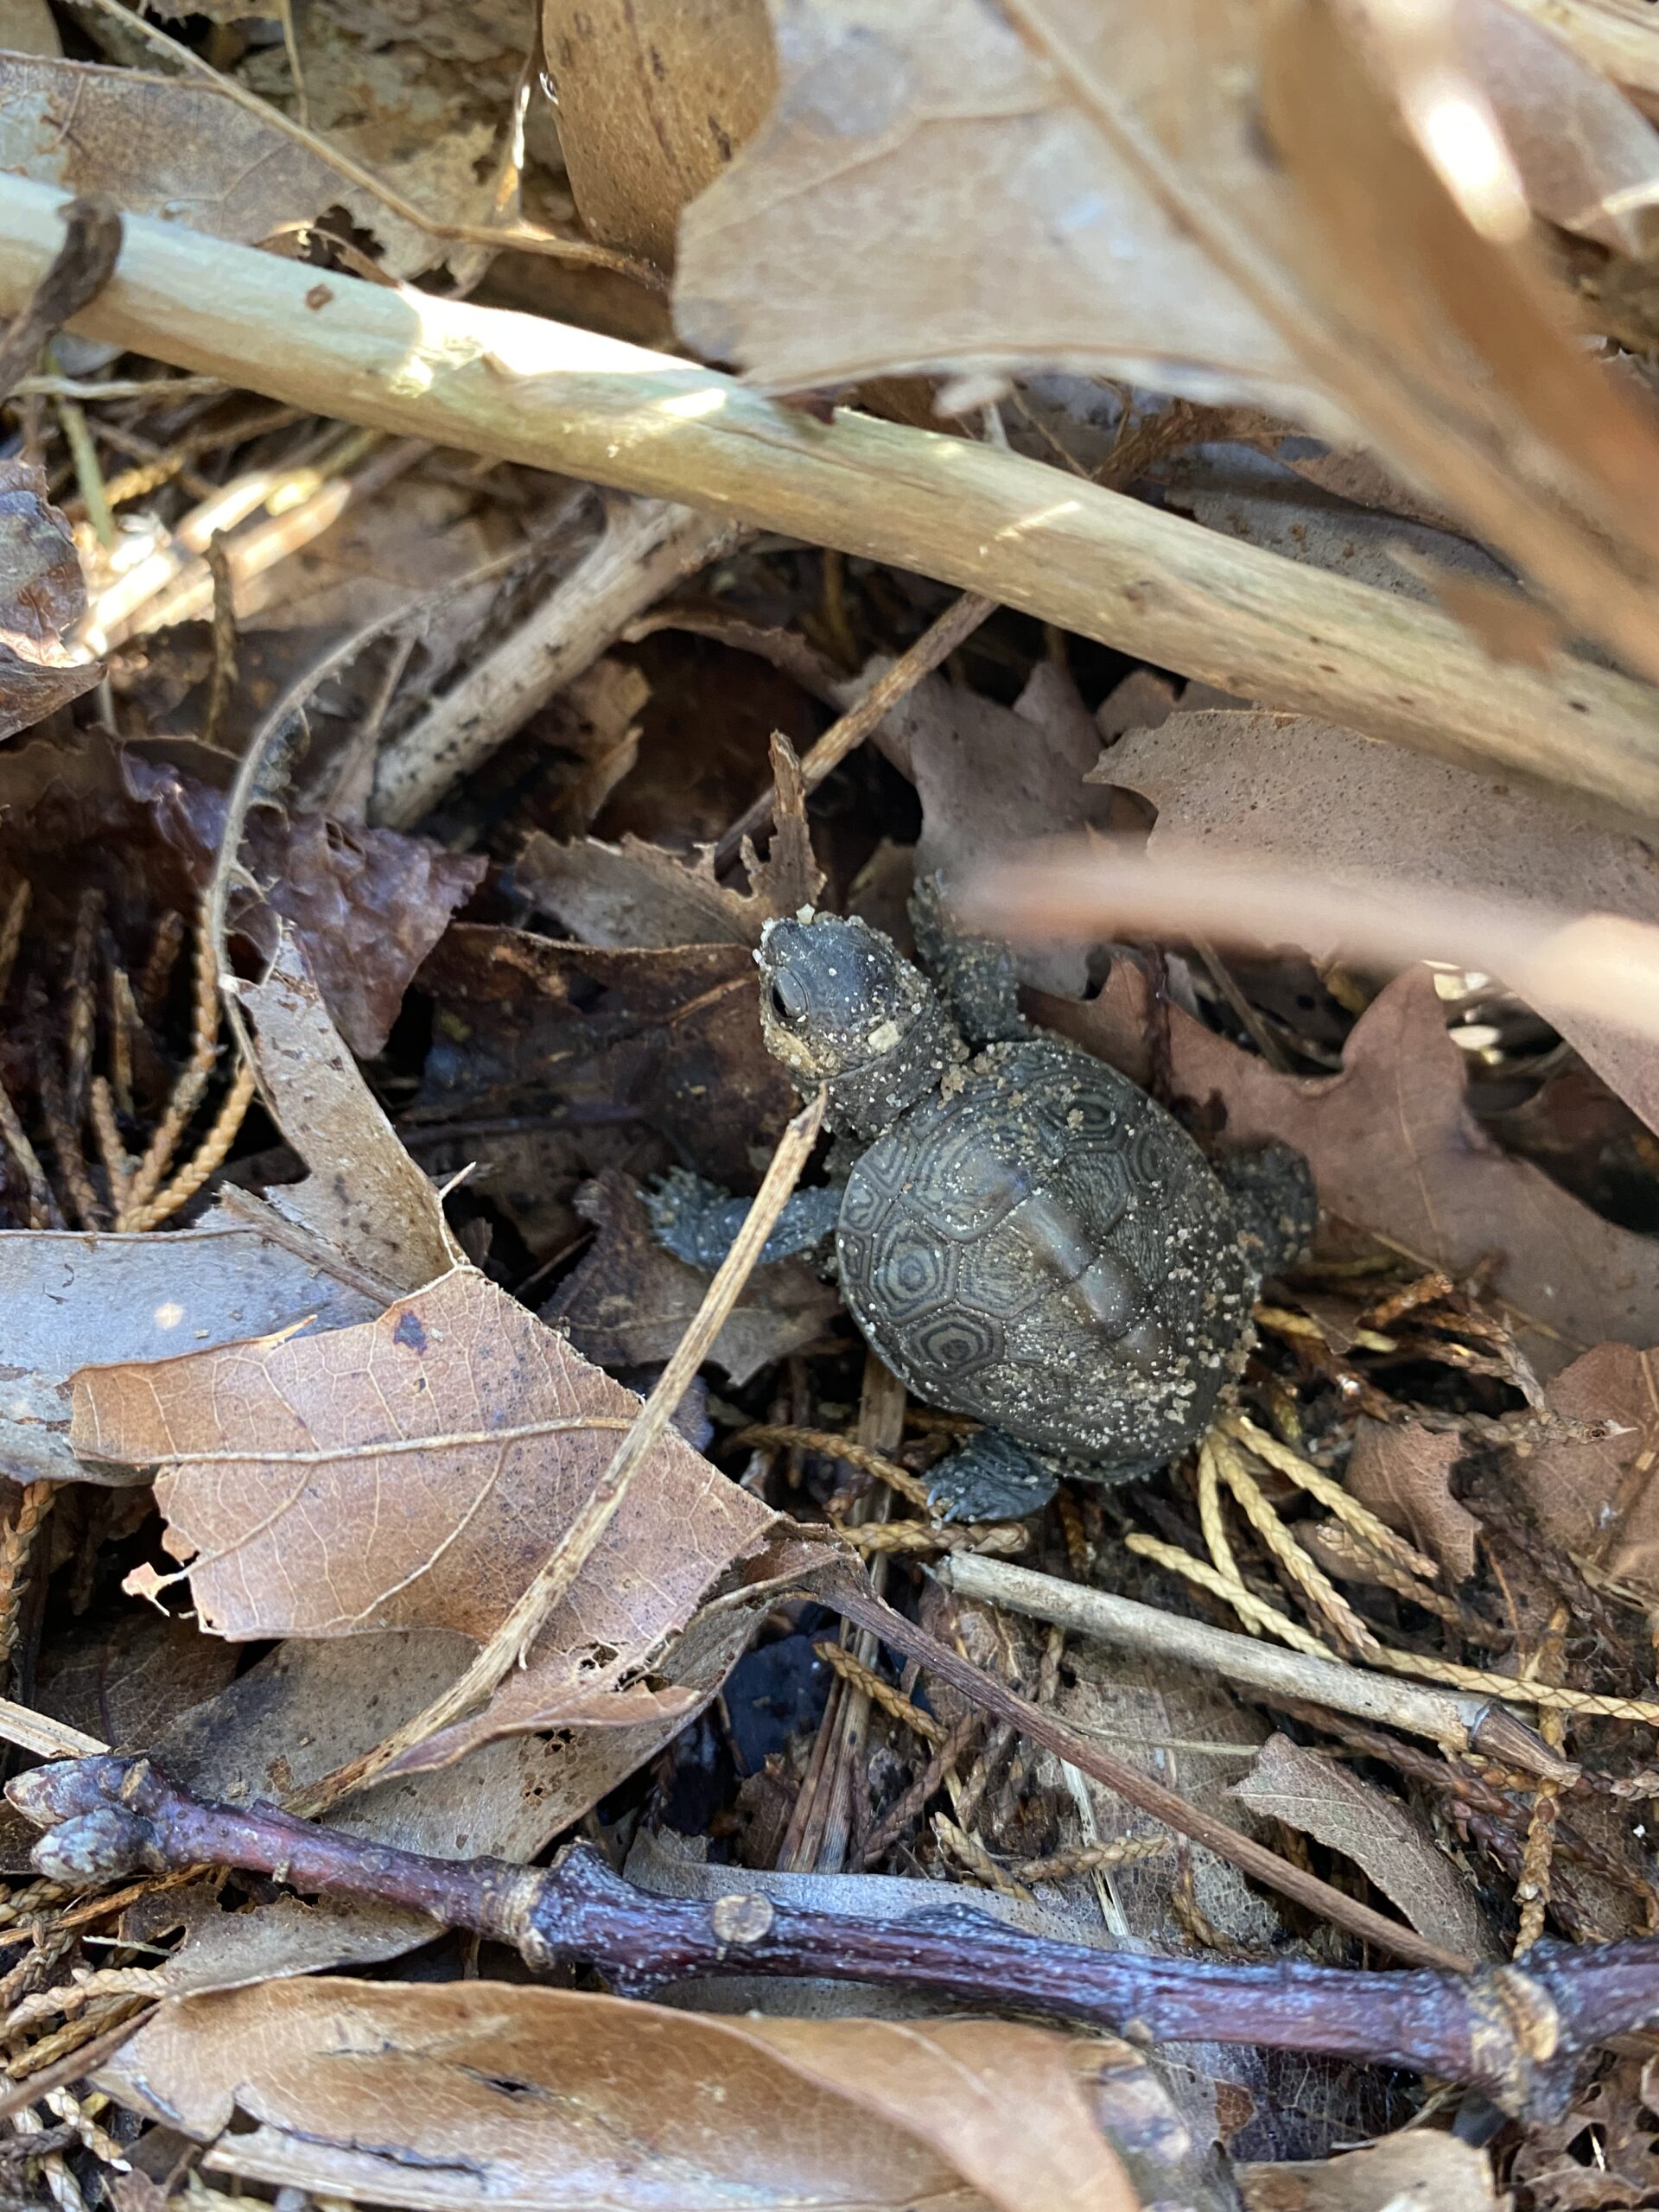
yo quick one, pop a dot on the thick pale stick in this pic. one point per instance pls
(640, 557)
(1469, 1723)
(1072, 553)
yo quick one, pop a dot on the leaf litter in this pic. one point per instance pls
(326, 1267)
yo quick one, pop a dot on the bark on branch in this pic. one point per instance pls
(1515, 2034)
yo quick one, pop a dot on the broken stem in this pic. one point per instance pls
(1514, 2035)
(1466, 1723)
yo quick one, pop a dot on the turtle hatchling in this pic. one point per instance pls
(1022, 1234)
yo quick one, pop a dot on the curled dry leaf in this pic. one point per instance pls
(1383, 1835)
(1220, 201)
(629, 1301)
(1395, 1149)
(635, 893)
(1403, 1472)
(653, 98)
(415, 1472)
(490, 2093)
(366, 906)
(1310, 796)
(69, 1299)
(1601, 1500)
(638, 895)
(42, 596)
(364, 1199)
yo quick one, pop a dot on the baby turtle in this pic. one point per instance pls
(1023, 1235)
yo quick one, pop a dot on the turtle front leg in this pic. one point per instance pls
(991, 1477)
(698, 1221)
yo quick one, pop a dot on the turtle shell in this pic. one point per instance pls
(1046, 1249)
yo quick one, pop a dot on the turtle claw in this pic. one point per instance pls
(990, 1478)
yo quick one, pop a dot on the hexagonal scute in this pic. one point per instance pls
(955, 1345)
(910, 1272)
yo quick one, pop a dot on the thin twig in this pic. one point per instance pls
(937, 643)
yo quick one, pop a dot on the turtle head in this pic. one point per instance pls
(841, 1005)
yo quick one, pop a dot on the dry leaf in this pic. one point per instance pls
(1417, 2170)
(169, 146)
(635, 893)
(42, 596)
(491, 2094)
(989, 777)
(1615, 2112)
(1601, 1500)
(908, 149)
(1403, 1472)
(1221, 202)
(629, 1302)
(1395, 1149)
(68, 1299)
(128, 1674)
(654, 97)
(667, 1040)
(1580, 145)
(364, 1196)
(366, 906)
(638, 895)
(235, 1950)
(422, 93)
(309, 1708)
(1272, 500)
(1304, 794)
(416, 1471)
(1383, 1835)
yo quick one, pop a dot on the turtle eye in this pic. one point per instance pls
(789, 999)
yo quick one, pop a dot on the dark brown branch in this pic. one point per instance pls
(1515, 2035)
